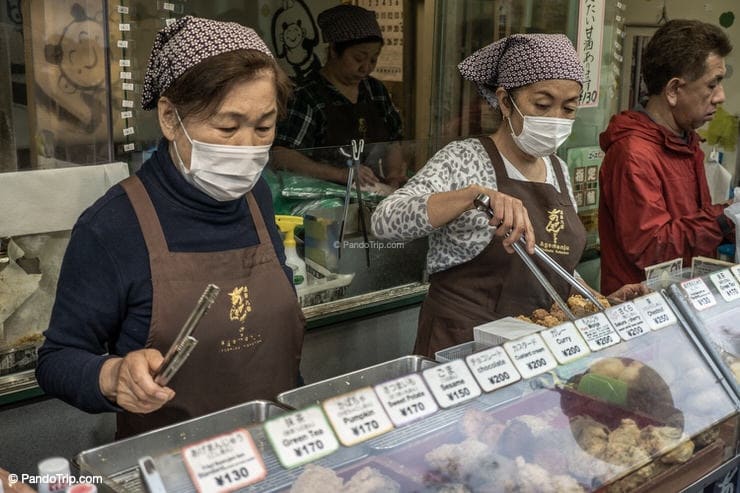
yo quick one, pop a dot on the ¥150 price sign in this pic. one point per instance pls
(451, 383)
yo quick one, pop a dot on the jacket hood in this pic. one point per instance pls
(638, 124)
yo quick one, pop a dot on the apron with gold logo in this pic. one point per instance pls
(496, 284)
(249, 342)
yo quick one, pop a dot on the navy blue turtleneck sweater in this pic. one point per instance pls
(104, 296)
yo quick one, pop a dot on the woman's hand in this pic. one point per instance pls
(628, 292)
(363, 173)
(510, 218)
(129, 383)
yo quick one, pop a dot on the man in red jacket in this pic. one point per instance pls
(654, 202)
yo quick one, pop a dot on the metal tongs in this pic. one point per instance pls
(185, 342)
(482, 203)
(353, 163)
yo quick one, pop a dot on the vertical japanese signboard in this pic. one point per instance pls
(590, 37)
(390, 18)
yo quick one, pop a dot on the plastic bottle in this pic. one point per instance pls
(54, 474)
(287, 225)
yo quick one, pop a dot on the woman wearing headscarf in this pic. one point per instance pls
(534, 82)
(343, 102)
(197, 212)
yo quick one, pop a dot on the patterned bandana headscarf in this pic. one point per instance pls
(347, 23)
(519, 60)
(187, 42)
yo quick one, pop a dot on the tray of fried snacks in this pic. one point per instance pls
(579, 305)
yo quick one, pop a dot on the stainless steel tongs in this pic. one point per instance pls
(353, 162)
(482, 203)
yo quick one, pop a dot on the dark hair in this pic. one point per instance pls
(343, 45)
(680, 49)
(203, 87)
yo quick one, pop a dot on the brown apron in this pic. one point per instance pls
(249, 342)
(496, 284)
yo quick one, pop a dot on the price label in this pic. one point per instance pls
(168, 6)
(735, 269)
(124, 62)
(699, 295)
(127, 103)
(170, 21)
(126, 75)
(493, 368)
(122, 43)
(224, 463)
(406, 399)
(129, 147)
(656, 311)
(301, 437)
(124, 27)
(127, 86)
(726, 285)
(127, 114)
(122, 9)
(451, 383)
(628, 321)
(597, 331)
(530, 356)
(565, 342)
(357, 416)
(128, 131)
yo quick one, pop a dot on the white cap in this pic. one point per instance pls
(54, 466)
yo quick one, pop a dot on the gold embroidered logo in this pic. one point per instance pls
(362, 127)
(555, 223)
(240, 304)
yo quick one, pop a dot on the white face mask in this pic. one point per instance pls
(541, 135)
(223, 172)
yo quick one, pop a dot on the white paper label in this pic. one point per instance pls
(301, 437)
(597, 331)
(127, 86)
(124, 62)
(126, 75)
(530, 355)
(451, 383)
(128, 131)
(628, 321)
(565, 342)
(699, 295)
(726, 284)
(127, 114)
(122, 43)
(168, 6)
(127, 103)
(129, 147)
(406, 399)
(124, 27)
(169, 22)
(357, 416)
(735, 269)
(492, 368)
(224, 463)
(122, 9)
(656, 311)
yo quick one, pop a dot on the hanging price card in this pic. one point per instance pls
(357, 416)
(126, 75)
(698, 293)
(530, 356)
(628, 321)
(124, 27)
(124, 62)
(127, 114)
(127, 103)
(301, 437)
(224, 463)
(122, 43)
(127, 86)
(656, 311)
(726, 284)
(492, 368)
(129, 147)
(128, 131)
(565, 342)
(406, 399)
(597, 331)
(122, 9)
(451, 383)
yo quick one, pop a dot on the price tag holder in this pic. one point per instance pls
(699, 295)
(406, 399)
(597, 331)
(735, 269)
(656, 311)
(628, 321)
(301, 437)
(726, 284)
(357, 416)
(530, 355)
(565, 342)
(451, 383)
(493, 369)
(224, 463)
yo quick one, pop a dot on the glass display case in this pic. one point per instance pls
(525, 416)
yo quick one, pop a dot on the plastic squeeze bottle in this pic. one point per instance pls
(287, 225)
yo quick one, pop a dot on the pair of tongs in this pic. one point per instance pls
(482, 203)
(353, 162)
(185, 342)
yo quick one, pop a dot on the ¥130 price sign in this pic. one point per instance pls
(698, 293)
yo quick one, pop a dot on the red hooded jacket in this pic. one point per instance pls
(654, 202)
